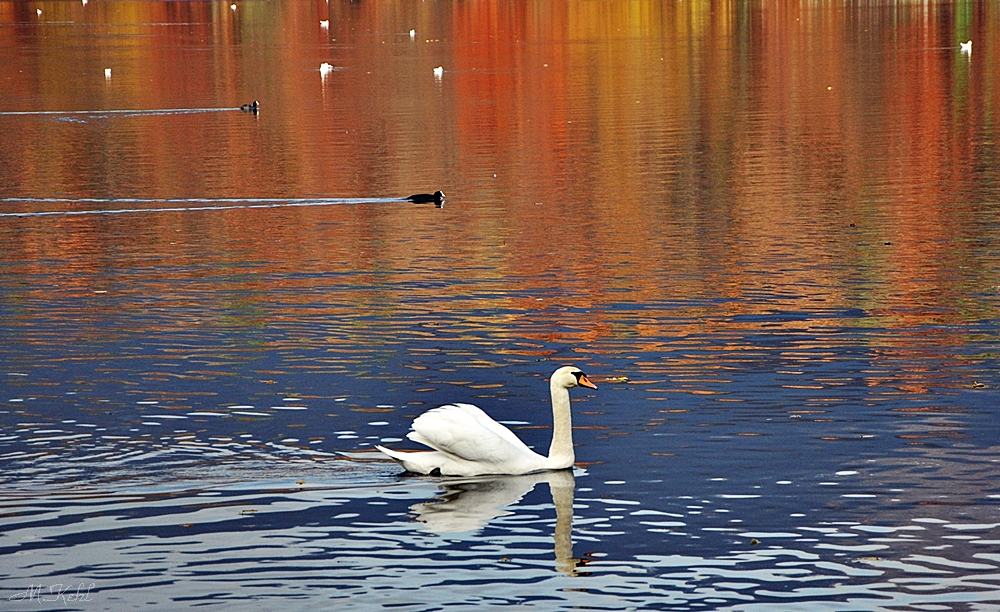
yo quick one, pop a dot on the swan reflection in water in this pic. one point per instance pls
(467, 504)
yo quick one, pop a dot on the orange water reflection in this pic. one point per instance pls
(744, 158)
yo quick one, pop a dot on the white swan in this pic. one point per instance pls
(467, 442)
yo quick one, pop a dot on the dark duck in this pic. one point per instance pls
(426, 198)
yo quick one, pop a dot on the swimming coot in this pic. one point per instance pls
(426, 198)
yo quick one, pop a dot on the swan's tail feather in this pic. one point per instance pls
(418, 462)
(395, 455)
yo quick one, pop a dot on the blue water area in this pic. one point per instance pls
(201, 434)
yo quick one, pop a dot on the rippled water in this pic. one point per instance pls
(769, 235)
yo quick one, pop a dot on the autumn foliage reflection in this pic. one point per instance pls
(744, 157)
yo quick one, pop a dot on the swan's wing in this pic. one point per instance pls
(468, 433)
(486, 421)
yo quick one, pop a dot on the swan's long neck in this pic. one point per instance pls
(561, 451)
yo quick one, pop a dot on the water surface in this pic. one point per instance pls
(768, 233)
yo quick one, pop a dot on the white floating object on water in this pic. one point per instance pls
(966, 47)
(324, 23)
(39, 11)
(107, 73)
(325, 69)
(232, 6)
(452, 430)
(84, 2)
(438, 72)
(413, 33)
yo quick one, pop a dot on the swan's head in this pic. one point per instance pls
(571, 376)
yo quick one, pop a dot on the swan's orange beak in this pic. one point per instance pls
(583, 381)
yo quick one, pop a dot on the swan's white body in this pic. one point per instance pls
(467, 442)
